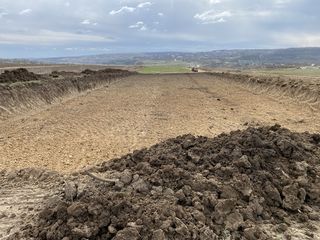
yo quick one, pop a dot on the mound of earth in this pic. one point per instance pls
(251, 184)
(18, 75)
(29, 94)
(109, 71)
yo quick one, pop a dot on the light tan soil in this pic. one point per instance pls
(22, 195)
(140, 111)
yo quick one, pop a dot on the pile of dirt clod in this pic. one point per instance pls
(18, 75)
(229, 187)
(109, 71)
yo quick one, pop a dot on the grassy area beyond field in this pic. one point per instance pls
(164, 69)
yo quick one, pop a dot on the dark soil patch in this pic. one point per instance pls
(194, 188)
(18, 75)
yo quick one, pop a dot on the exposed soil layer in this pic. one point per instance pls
(18, 75)
(301, 90)
(22, 195)
(136, 112)
(31, 90)
(228, 187)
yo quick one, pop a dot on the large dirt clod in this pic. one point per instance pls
(228, 187)
(18, 75)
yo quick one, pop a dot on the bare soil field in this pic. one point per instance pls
(46, 68)
(21, 90)
(254, 183)
(138, 112)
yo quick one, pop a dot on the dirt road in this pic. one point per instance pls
(138, 112)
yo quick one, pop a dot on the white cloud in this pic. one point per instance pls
(88, 22)
(130, 9)
(298, 40)
(25, 11)
(67, 4)
(46, 37)
(213, 16)
(145, 4)
(139, 25)
(214, 1)
(3, 12)
(91, 49)
(279, 2)
(143, 28)
(123, 9)
(160, 14)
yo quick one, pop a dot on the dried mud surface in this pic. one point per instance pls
(258, 183)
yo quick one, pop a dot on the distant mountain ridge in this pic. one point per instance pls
(216, 58)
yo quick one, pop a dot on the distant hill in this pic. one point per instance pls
(218, 58)
(14, 62)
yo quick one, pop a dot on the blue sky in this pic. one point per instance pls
(47, 28)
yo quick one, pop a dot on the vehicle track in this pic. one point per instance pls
(21, 199)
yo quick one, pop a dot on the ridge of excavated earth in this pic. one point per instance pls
(258, 183)
(301, 89)
(22, 91)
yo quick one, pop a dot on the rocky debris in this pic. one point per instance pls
(228, 187)
(18, 75)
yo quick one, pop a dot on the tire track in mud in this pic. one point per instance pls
(19, 202)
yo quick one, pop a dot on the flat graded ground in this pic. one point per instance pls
(137, 112)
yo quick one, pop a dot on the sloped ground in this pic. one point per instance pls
(22, 90)
(299, 88)
(259, 183)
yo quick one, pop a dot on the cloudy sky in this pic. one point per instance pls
(46, 28)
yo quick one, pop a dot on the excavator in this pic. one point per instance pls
(194, 69)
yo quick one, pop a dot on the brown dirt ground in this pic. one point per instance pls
(137, 112)
(47, 68)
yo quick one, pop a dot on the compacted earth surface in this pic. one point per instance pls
(228, 175)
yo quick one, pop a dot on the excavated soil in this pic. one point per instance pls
(18, 75)
(136, 112)
(259, 183)
(25, 90)
(301, 90)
